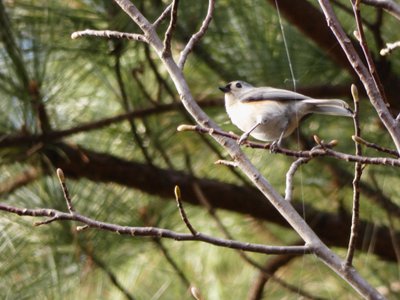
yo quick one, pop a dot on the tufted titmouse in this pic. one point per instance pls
(270, 114)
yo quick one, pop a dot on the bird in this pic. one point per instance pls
(270, 114)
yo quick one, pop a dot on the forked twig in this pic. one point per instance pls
(166, 52)
(163, 16)
(198, 35)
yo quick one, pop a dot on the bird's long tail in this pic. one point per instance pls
(333, 107)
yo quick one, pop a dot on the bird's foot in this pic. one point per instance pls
(243, 138)
(275, 145)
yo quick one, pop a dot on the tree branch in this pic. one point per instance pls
(198, 35)
(389, 48)
(365, 77)
(57, 215)
(168, 34)
(315, 152)
(78, 162)
(358, 169)
(109, 34)
(290, 174)
(389, 5)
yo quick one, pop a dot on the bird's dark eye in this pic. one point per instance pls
(238, 85)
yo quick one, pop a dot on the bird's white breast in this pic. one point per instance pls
(273, 115)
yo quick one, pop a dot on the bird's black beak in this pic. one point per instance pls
(226, 88)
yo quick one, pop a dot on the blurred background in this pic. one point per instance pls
(106, 112)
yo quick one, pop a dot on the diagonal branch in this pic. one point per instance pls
(365, 77)
(198, 35)
(358, 169)
(389, 5)
(78, 162)
(172, 24)
(163, 16)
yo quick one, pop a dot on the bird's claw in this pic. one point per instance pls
(242, 138)
(275, 145)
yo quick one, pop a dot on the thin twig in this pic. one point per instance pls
(228, 163)
(361, 141)
(316, 152)
(198, 35)
(57, 215)
(163, 16)
(389, 5)
(166, 52)
(113, 278)
(61, 179)
(389, 48)
(358, 169)
(367, 54)
(182, 211)
(290, 174)
(109, 34)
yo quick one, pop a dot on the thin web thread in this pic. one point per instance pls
(294, 89)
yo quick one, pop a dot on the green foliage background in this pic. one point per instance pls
(78, 83)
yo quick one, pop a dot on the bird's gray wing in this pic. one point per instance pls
(267, 93)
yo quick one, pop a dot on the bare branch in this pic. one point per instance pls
(198, 35)
(389, 48)
(228, 163)
(266, 271)
(389, 5)
(61, 178)
(365, 77)
(284, 207)
(355, 220)
(168, 34)
(163, 15)
(109, 34)
(57, 215)
(364, 46)
(18, 139)
(361, 141)
(290, 174)
(182, 211)
(326, 151)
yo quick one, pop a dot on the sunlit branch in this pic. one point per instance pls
(363, 73)
(56, 215)
(389, 48)
(266, 271)
(109, 34)
(290, 174)
(361, 141)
